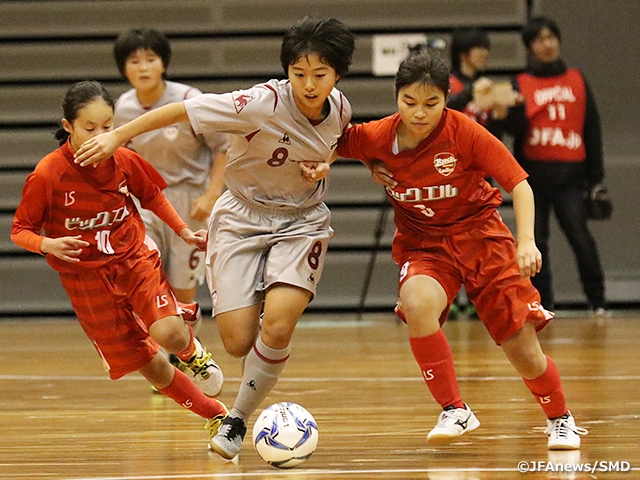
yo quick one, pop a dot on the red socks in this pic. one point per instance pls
(547, 389)
(433, 354)
(184, 392)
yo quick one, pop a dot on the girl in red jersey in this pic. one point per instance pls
(433, 162)
(95, 238)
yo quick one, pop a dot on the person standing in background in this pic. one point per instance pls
(192, 166)
(469, 55)
(558, 141)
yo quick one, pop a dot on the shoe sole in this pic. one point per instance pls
(564, 447)
(440, 439)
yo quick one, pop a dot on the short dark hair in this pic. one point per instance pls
(328, 38)
(533, 28)
(463, 40)
(426, 67)
(141, 38)
(76, 98)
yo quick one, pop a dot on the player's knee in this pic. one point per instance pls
(277, 334)
(237, 347)
(171, 334)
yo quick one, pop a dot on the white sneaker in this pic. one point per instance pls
(206, 373)
(227, 442)
(452, 423)
(563, 433)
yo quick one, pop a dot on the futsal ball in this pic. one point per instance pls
(285, 435)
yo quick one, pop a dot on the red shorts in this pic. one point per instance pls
(483, 259)
(116, 304)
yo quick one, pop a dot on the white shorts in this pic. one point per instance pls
(250, 249)
(182, 263)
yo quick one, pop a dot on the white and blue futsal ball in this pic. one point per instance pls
(285, 435)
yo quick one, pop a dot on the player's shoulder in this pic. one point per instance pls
(379, 128)
(176, 91)
(125, 157)
(53, 160)
(456, 120)
(127, 99)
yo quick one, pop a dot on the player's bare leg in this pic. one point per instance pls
(265, 361)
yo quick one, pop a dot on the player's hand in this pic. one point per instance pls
(202, 206)
(381, 175)
(529, 259)
(483, 85)
(314, 171)
(64, 248)
(197, 239)
(97, 149)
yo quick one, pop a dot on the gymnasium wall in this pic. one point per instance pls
(45, 46)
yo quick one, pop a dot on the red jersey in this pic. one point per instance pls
(441, 183)
(555, 109)
(65, 199)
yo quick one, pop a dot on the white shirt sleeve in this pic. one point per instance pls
(241, 112)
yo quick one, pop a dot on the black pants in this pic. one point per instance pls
(568, 204)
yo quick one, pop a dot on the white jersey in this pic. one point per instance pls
(175, 151)
(269, 135)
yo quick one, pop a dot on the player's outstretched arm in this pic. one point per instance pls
(101, 147)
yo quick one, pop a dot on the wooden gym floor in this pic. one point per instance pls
(62, 418)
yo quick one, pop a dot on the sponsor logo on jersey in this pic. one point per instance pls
(285, 139)
(445, 163)
(252, 384)
(333, 145)
(101, 220)
(424, 194)
(311, 278)
(241, 101)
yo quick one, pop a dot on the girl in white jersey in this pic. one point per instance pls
(269, 232)
(192, 166)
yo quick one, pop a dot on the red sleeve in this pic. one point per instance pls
(147, 185)
(165, 211)
(29, 218)
(492, 156)
(349, 143)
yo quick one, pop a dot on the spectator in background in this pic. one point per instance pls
(557, 140)
(469, 54)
